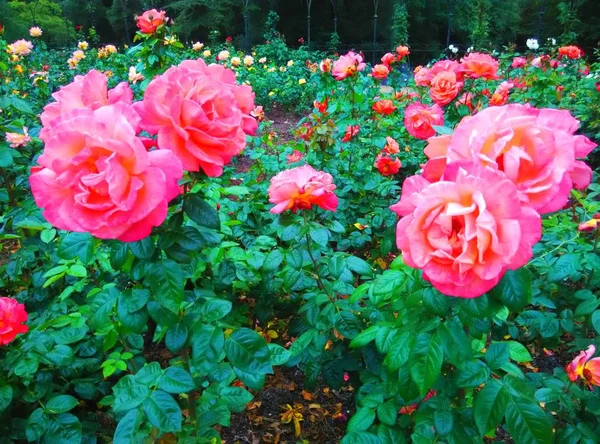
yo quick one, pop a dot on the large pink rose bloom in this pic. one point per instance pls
(96, 176)
(477, 65)
(347, 65)
(88, 91)
(200, 113)
(465, 231)
(300, 188)
(445, 66)
(419, 118)
(12, 317)
(150, 20)
(537, 149)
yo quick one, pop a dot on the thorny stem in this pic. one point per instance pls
(317, 275)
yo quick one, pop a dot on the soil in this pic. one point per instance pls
(284, 122)
(324, 411)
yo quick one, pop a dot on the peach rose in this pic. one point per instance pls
(380, 72)
(20, 47)
(422, 76)
(419, 118)
(465, 231)
(150, 20)
(585, 367)
(444, 88)
(12, 316)
(347, 65)
(300, 188)
(35, 31)
(384, 107)
(96, 176)
(386, 165)
(391, 146)
(536, 149)
(402, 51)
(325, 65)
(88, 91)
(444, 66)
(200, 113)
(388, 59)
(476, 65)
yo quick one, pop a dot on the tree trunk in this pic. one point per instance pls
(376, 6)
(308, 6)
(246, 25)
(540, 19)
(124, 7)
(450, 15)
(334, 4)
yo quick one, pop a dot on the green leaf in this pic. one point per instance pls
(273, 260)
(440, 129)
(128, 427)
(435, 301)
(77, 245)
(22, 106)
(163, 412)
(63, 428)
(166, 280)
(61, 404)
(347, 324)
(457, 346)
(514, 290)
(490, 406)
(388, 285)
(129, 393)
(364, 337)
(361, 421)
(6, 159)
(236, 397)
(399, 351)
(472, 374)
(443, 421)
(77, 270)
(518, 352)
(596, 321)
(279, 355)
(143, 249)
(425, 361)
(564, 267)
(149, 374)
(176, 380)
(214, 309)
(387, 412)
(37, 423)
(6, 396)
(47, 235)
(586, 307)
(176, 337)
(248, 351)
(527, 422)
(201, 212)
(69, 335)
(497, 354)
(359, 266)
(360, 438)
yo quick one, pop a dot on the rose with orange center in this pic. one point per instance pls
(477, 65)
(384, 107)
(584, 367)
(347, 65)
(150, 20)
(386, 165)
(380, 72)
(465, 231)
(300, 188)
(444, 88)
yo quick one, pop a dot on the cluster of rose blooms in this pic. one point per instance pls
(97, 174)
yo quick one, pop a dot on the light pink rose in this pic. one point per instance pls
(465, 231)
(96, 176)
(300, 188)
(519, 62)
(477, 65)
(200, 113)
(347, 65)
(537, 149)
(88, 91)
(419, 118)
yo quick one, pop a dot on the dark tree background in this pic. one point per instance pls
(427, 26)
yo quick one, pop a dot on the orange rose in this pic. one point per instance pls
(444, 88)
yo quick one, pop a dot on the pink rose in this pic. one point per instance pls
(347, 65)
(300, 188)
(12, 316)
(536, 149)
(419, 118)
(465, 231)
(422, 76)
(88, 91)
(380, 72)
(96, 176)
(388, 59)
(150, 20)
(444, 88)
(519, 62)
(445, 66)
(200, 113)
(477, 65)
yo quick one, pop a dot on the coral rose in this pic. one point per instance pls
(347, 65)
(88, 91)
(380, 72)
(387, 166)
(150, 20)
(96, 176)
(391, 146)
(419, 118)
(465, 231)
(300, 188)
(200, 113)
(477, 65)
(519, 62)
(584, 367)
(296, 156)
(324, 66)
(422, 76)
(388, 59)
(536, 149)
(351, 131)
(384, 107)
(572, 52)
(444, 88)
(12, 316)
(444, 66)
(402, 51)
